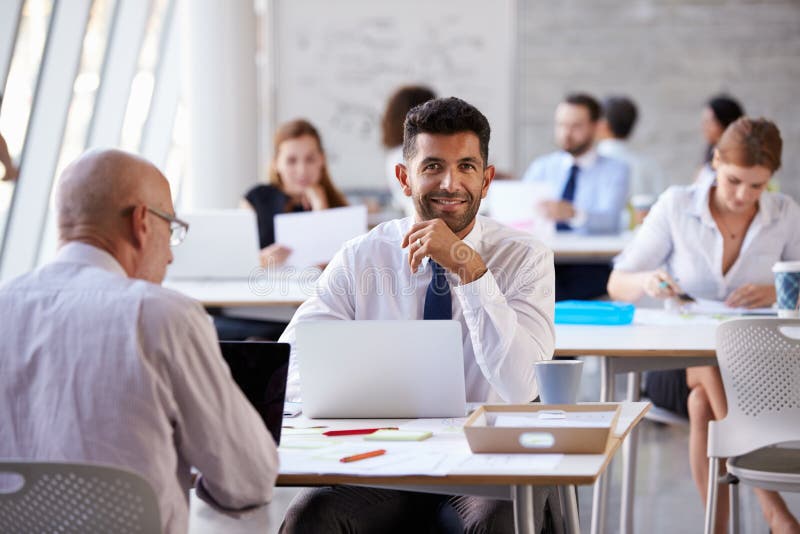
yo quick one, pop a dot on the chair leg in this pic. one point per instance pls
(711, 496)
(733, 491)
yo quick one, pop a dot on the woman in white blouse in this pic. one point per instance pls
(718, 241)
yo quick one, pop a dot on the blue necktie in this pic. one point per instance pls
(438, 302)
(569, 193)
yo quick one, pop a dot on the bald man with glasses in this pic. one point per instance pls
(99, 363)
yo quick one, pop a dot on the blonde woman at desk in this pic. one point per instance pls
(718, 241)
(298, 181)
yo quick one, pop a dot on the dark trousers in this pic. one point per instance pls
(359, 510)
(581, 282)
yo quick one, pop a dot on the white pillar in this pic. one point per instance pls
(219, 73)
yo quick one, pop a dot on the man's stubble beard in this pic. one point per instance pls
(424, 210)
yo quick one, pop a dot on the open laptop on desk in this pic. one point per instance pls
(260, 370)
(220, 245)
(381, 369)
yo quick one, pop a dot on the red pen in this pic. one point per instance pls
(362, 456)
(356, 431)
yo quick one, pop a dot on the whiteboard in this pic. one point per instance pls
(336, 63)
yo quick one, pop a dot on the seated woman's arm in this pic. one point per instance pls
(631, 286)
(638, 270)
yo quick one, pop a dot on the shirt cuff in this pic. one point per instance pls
(203, 494)
(473, 295)
(579, 219)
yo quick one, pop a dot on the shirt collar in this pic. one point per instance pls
(767, 206)
(585, 160)
(85, 254)
(699, 207)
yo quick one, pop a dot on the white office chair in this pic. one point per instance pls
(759, 360)
(75, 498)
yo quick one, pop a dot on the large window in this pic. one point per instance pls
(17, 99)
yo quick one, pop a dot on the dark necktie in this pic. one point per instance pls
(569, 193)
(438, 302)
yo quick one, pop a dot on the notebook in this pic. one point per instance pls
(220, 245)
(381, 369)
(260, 370)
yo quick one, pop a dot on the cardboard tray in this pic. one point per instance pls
(484, 437)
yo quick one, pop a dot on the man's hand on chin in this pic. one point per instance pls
(435, 239)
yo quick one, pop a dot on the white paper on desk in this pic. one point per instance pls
(715, 307)
(570, 420)
(517, 464)
(397, 461)
(449, 425)
(315, 236)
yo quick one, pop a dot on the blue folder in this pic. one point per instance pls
(593, 312)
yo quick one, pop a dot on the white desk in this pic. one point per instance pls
(656, 340)
(578, 248)
(257, 291)
(444, 464)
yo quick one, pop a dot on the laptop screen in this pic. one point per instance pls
(260, 369)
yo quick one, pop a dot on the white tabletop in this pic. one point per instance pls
(653, 332)
(444, 458)
(254, 292)
(576, 246)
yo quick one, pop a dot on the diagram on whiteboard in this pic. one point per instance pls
(337, 70)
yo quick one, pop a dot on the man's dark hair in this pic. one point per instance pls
(445, 116)
(586, 100)
(620, 114)
(726, 109)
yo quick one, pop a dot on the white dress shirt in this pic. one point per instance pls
(99, 367)
(680, 234)
(601, 191)
(506, 315)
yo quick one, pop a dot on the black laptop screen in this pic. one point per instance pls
(260, 369)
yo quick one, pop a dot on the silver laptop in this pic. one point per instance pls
(220, 245)
(381, 369)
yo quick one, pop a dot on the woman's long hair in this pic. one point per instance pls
(293, 130)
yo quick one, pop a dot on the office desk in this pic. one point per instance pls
(656, 340)
(455, 469)
(258, 291)
(569, 247)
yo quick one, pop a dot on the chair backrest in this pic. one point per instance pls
(67, 497)
(759, 360)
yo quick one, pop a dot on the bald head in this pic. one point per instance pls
(106, 199)
(96, 189)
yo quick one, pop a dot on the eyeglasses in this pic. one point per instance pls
(177, 227)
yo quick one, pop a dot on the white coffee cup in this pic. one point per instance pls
(558, 380)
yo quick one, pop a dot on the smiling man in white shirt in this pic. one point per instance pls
(446, 262)
(99, 363)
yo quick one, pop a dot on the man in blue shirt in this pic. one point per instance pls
(588, 191)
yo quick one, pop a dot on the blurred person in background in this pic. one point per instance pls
(613, 133)
(719, 113)
(398, 105)
(298, 180)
